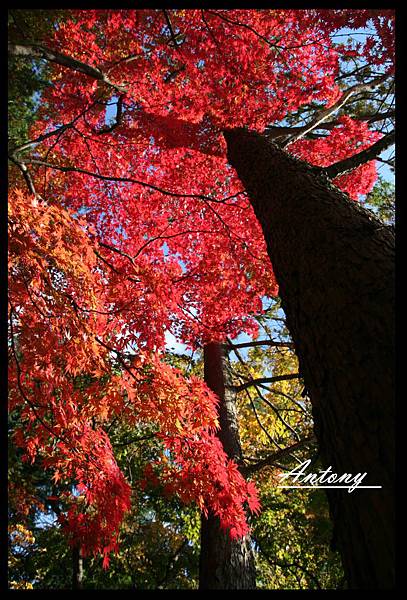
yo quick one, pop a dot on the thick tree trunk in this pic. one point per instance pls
(334, 263)
(224, 563)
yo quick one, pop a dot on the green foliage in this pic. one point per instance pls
(293, 535)
(26, 79)
(382, 201)
(24, 83)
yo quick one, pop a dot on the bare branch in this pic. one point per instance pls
(231, 346)
(274, 132)
(263, 380)
(324, 114)
(265, 400)
(270, 437)
(38, 51)
(272, 458)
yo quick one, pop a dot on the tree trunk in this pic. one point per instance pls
(334, 263)
(224, 563)
(77, 569)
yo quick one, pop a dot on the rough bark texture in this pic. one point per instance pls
(224, 563)
(334, 263)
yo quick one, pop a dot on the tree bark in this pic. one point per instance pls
(77, 569)
(334, 263)
(224, 563)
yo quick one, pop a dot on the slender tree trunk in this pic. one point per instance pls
(224, 563)
(334, 263)
(77, 569)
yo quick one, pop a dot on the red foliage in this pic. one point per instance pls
(154, 234)
(345, 140)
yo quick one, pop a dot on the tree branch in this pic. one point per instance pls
(70, 169)
(170, 28)
(26, 174)
(273, 132)
(324, 114)
(38, 51)
(348, 164)
(245, 26)
(117, 121)
(240, 359)
(230, 346)
(272, 458)
(57, 131)
(254, 382)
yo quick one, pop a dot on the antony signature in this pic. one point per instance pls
(324, 479)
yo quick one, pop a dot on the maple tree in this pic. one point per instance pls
(123, 229)
(159, 538)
